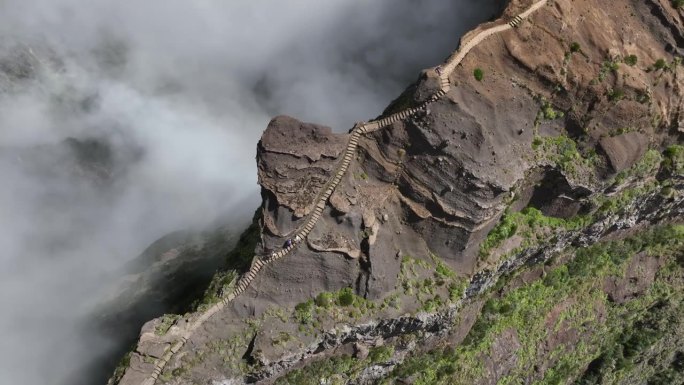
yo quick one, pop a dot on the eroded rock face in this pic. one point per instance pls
(624, 150)
(295, 160)
(559, 112)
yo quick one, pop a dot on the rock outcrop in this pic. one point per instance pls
(508, 209)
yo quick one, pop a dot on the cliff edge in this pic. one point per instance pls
(515, 216)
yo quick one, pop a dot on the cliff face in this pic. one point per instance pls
(525, 226)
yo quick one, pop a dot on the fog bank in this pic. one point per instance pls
(121, 121)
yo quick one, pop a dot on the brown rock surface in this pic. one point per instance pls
(624, 150)
(295, 160)
(441, 179)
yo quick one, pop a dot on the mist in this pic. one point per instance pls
(122, 121)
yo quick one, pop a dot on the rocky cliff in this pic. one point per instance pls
(515, 216)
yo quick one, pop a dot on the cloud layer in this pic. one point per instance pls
(164, 101)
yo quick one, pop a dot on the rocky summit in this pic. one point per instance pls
(515, 216)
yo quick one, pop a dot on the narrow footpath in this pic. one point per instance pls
(444, 72)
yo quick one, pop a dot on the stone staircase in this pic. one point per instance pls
(360, 129)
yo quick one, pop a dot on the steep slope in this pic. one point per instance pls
(547, 151)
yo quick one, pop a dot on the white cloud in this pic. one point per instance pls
(181, 90)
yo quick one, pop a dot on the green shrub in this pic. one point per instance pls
(304, 312)
(660, 64)
(479, 74)
(346, 297)
(380, 354)
(536, 142)
(606, 67)
(444, 271)
(631, 60)
(505, 229)
(674, 159)
(677, 3)
(549, 112)
(325, 300)
(616, 94)
(575, 47)
(456, 291)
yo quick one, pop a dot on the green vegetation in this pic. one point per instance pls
(677, 3)
(479, 74)
(673, 161)
(562, 151)
(615, 94)
(221, 284)
(432, 293)
(631, 60)
(166, 322)
(121, 368)
(567, 298)
(380, 354)
(530, 223)
(325, 300)
(303, 312)
(618, 202)
(660, 64)
(536, 142)
(548, 112)
(575, 47)
(442, 270)
(346, 297)
(620, 131)
(506, 228)
(532, 226)
(646, 166)
(607, 66)
(343, 302)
